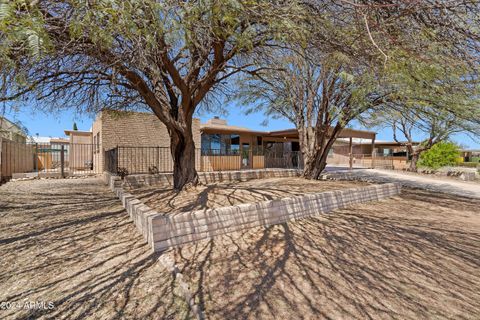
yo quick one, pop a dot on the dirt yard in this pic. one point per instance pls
(416, 256)
(228, 194)
(69, 242)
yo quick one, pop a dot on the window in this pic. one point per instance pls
(235, 143)
(220, 144)
(259, 140)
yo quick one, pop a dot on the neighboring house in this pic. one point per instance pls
(11, 131)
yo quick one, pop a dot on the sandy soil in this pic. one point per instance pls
(416, 256)
(228, 194)
(70, 242)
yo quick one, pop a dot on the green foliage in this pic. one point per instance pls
(440, 155)
(75, 126)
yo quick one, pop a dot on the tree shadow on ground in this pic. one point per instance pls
(227, 194)
(410, 257)
(73, 245)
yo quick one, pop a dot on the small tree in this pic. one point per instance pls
(440, 155)
(321, 93)
(75, 126)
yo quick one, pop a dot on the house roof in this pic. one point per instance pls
(82, 133)
(227, 128)
(219, 125)
(59, 140)
(345, 133)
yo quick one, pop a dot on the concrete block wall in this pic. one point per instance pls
(165, 231)
(165, 180)
(133, 129)
(174, 230)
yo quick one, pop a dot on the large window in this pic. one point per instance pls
(220, 144)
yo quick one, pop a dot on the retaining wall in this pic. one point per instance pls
(165, 231)
(165, 180)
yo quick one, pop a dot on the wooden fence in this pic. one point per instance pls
(15, 157)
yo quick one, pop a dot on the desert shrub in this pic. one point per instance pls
(440, 155)
(153, 170)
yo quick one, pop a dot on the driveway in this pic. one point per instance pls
(69, 250)
(412, 180)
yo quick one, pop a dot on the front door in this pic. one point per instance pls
(245, 156)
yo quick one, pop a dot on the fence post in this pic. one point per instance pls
(350, 148)
(62, 161)
(36, 159)
(117, 157)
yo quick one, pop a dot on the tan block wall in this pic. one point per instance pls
(137, 129)
(166, 231)
(165, 180)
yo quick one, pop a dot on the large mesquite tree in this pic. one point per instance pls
(167, 56)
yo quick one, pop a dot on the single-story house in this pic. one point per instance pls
(142, 142)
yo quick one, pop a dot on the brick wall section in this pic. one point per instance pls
(133, 129)
(166, 231)
(165, 180)
(169, 231)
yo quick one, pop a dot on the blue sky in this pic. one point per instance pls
(53, 124)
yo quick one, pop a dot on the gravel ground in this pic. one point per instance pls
(228, 194)
(70, 242)
(415, 256)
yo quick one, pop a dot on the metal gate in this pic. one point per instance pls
(58, 160)
(64, 160)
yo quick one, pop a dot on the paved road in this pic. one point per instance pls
(412, 180)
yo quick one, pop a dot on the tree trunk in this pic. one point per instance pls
(182, 148)
(413, 162)
(316, 159)
(315, 163)
(315, 145)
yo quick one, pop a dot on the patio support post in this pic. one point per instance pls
(350, 146)
(62, 161)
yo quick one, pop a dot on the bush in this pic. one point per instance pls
(440, 155)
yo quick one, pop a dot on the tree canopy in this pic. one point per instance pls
(173, 56)
(167, 56)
